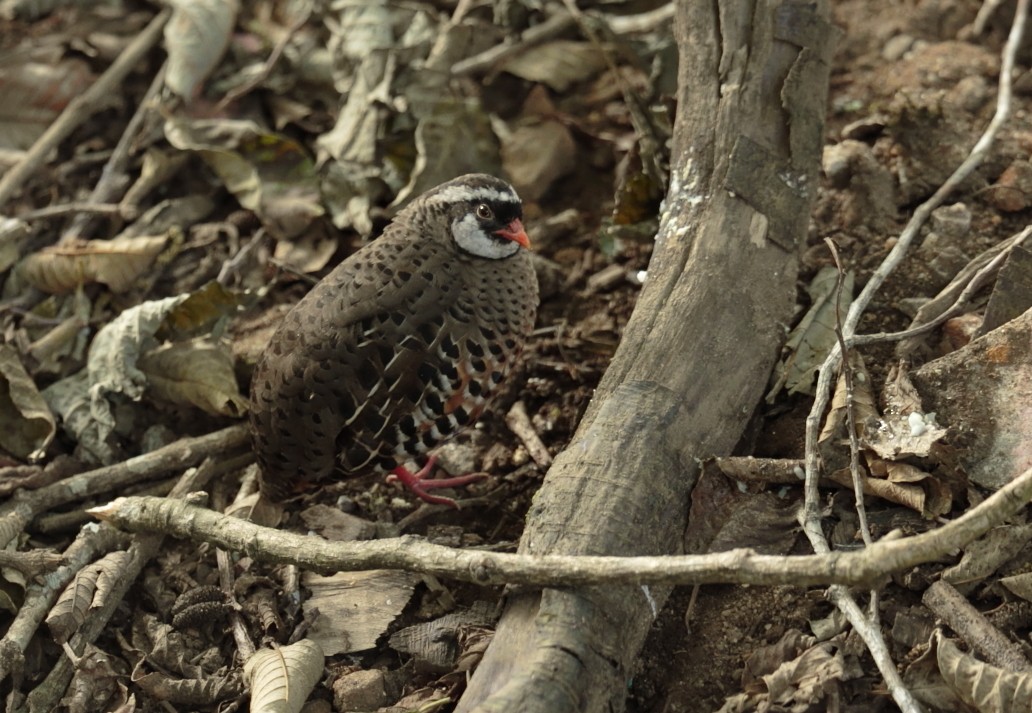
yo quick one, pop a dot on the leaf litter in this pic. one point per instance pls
(335, 122)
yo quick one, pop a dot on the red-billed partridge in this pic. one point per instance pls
(401, 346)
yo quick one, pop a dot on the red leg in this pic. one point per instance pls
(419, 482)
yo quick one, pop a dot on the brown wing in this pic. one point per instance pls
(349, 362)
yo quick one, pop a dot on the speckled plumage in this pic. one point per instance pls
(399, 347)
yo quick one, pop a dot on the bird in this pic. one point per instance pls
(400, 347)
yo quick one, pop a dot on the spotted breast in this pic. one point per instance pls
(401, 346)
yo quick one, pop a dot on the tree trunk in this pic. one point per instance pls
(694, 359)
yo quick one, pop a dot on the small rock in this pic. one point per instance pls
(952, 221)
(836, 164)
(1013, 189)
(864, 129)
(981, 393)
(948, 261)
(359, 691)
(458, 457)
(897, 46)
(970, 93)
(872, 197)
(959, 331)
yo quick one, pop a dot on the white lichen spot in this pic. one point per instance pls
(650, 600)
(758, 226)
(917, 424)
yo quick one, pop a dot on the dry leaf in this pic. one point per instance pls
(194, 374)
(558, 64)
(355, 608)
(116, 263)
(864, 410)
(33, 94)
(1019, 584)
(987, 554)
(269, 173)
(988, 688)
(195, 38)
(26, 424)
(813, 338)
(281, 679)
(87, 591)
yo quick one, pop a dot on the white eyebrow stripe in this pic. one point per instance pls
(457, 194)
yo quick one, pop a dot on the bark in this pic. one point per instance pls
(695, 357)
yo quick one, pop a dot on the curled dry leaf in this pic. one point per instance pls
(810, 681)
(70, 399)
(864, 410)
(906, 494)
(206, 689)
(116, 263)
(434, 644)
(201, 311)
(281, 679)
(987, 554)
(194, 374)
(87, 591)
(26, 423)
(985, 687)
(67, 340)
(905, 431)
(98, 684)
(937, 499)
(1020, 585)
(195, 37)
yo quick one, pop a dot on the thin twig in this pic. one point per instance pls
(18, 511)
(60, 211)
(143, 549)
(113, 180)
(40, 595)
(231, 266)
(950, 605)
(270, 62)
(488, 59)
(519, 423)
(847, 378)
(977, 281)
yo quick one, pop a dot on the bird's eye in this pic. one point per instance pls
(484, 212)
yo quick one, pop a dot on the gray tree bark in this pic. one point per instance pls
(695, 357)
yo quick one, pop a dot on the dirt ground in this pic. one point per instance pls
(911, 90)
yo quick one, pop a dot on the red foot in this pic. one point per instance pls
(419, 483)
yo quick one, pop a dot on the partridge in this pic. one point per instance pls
(401, 346)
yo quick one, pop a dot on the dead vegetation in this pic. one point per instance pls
(173, 179)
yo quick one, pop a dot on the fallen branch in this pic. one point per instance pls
(21, 509)
(866, 568)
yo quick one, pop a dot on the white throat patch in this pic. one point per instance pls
(472, 238)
